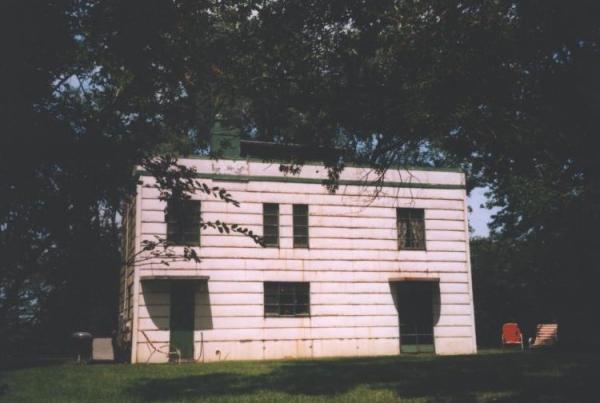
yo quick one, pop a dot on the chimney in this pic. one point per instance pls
(225, 140)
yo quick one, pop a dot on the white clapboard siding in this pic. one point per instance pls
(315, 194)
(153, 205)
(454, 288)
(284, 195)
(257, 252)
(318, 235)
(317, 265)
(454, 320)
(441, 235)
(312, 276)
(241, 167)
(316, 299)
(287, 333)
(359, 310)
(454, 309)
(153, 216)
(257, 322)
(449, 225)
(399, 198)
(306, 189)
(351, 265)
(351, 299)
(316, 171)
(155, 311)
(349, 288)
(455, 299)
(154, 228)
(217, 311)
(433, 246)
(227, 316)
(441, 214)
(214, 206)
(219, 287)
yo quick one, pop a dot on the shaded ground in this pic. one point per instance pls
(491, 376)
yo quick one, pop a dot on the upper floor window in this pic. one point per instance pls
(411, 228)
(271, 224)
(300, 225)
(287, 298)
(183, 222)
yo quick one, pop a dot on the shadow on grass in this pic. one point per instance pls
(504, 376)
(33, 363)
(24, 363)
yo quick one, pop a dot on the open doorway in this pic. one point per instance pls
(417, 304)
(182, 318)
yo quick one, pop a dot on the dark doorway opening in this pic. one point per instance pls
(182, 318)
(416, 302)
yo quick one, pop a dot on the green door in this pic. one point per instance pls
(182, 318)
(415, 311)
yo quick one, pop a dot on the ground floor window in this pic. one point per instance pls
(287, 298)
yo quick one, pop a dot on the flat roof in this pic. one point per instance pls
(320, 163)
(298, 179)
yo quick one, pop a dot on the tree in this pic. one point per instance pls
(506, 89)
(83, 107)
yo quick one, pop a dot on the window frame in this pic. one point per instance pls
(184, 223)
(411, 220)
(296, 237)
(295, 285)
(276, 225)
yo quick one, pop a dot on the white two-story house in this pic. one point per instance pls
(372, 269)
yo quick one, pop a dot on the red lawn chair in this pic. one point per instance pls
(511, 335)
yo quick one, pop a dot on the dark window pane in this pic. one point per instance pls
(302, 310)
(408, 339)
(403, 214)
(301, 231)
(269, 241)
(183, 222)
(425, 339)
(286, 310)
(272, 310)
(271, 288)
(271, 208)
(271, 230)
(271, 224)
(271, 299)
(287, 298)
(271, 220)
(300, 209)
(301, 242)
(300, 225)
(411, 228)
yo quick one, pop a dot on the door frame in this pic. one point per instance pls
(182, 294)
(417, 347)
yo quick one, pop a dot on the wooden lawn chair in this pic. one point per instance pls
(546, 334)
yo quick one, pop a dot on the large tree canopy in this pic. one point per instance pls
(508, 90)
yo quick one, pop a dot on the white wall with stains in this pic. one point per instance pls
(353, 255)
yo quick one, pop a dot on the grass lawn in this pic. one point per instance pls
(489, 376)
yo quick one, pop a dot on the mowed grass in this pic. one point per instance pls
(489, 376)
